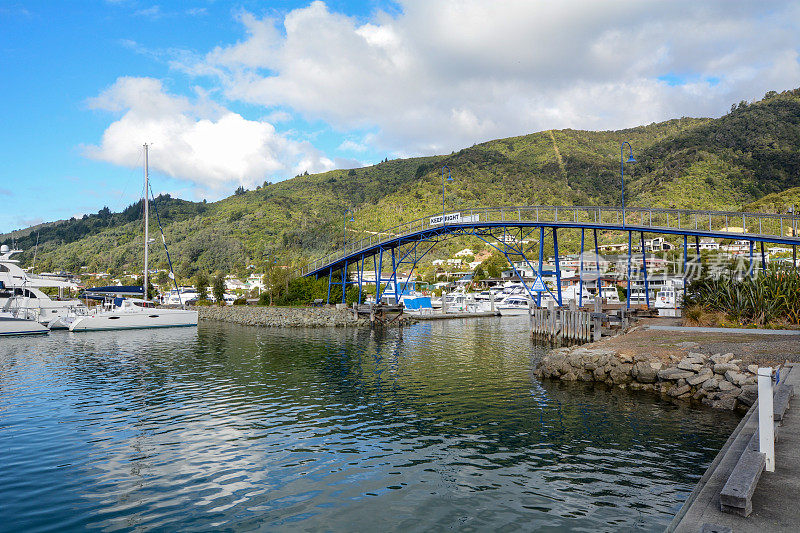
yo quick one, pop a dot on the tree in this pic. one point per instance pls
(201, 284)
(240, 190)
(495, 265)
(218, 290)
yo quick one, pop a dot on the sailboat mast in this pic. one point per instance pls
(146, 220)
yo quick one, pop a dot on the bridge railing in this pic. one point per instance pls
(734, 224)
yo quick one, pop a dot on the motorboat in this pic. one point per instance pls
(515, 305)
(134, 313)
(20, 289)
(12, 325)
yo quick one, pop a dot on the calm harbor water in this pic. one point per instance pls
(439, 426)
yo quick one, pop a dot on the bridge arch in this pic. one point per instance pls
(408, 243)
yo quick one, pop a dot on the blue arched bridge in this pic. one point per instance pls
(504, 229)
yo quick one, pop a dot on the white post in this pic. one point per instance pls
(766, 429)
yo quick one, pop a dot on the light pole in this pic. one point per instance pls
(622, 171)
(449, 178)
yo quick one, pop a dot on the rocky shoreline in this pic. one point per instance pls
(720, 381)
(308, 317)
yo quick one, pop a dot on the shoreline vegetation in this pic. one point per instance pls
(770, 300)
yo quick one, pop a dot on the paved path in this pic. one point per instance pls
(776, 501)
(748, 331)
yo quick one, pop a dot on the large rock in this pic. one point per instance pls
(726, 385)
(727, 402)
(644, 372)
(721, 368)
(686, 364)
(719, 358)
(696, 357)
(711, 383)
(678, 391)
(749, 395)
(577, 359)
(701, 377)
(620, 374)
(736, 378)
(674, 374)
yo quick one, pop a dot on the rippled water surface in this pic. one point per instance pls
(441, 426)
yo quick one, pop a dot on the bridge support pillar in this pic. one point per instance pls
(394, 277)
(630, 252)
(344, 281)
(580, 272)
(763, 258)
(697, 254)
(597, 264)
(644, 272)
(558, 265)
(360, 279)
(330, 276)
(751, 259)
(541, 260)
(378, 276)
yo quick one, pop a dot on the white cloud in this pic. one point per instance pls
(444, 74)
(195, 139)
(352, 146)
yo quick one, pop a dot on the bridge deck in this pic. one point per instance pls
(754, 227)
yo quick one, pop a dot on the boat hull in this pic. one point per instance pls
(18, 326)
(513, 311)
(153, 318)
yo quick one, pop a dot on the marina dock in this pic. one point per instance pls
(773, 496)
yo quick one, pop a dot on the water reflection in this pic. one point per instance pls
(439, 425)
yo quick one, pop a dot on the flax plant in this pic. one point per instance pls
(770, 299)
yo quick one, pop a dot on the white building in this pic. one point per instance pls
(709, 244)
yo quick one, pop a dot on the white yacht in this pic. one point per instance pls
(19, 289)
(10, 325)
(135, 313)
(515, 305)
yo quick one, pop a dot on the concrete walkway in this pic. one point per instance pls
(776, 501)
(748, 331)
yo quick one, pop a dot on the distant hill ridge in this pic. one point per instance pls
(748, 158)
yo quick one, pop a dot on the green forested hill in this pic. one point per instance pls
(746, 158)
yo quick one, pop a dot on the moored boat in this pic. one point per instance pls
(11, 325)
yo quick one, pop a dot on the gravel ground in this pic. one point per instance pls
(751, 348)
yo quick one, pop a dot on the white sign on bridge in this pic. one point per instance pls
(453, 218)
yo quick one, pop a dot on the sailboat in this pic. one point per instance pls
(135, 313)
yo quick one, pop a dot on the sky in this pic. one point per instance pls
(233, 94)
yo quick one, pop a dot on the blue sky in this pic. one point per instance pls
(237, 93)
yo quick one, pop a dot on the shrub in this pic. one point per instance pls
(773, 297)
